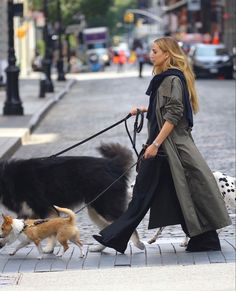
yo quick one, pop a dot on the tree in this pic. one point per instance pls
(97, 12)
(69, 9)
(116, 15)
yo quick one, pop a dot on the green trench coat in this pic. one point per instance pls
(200, 200)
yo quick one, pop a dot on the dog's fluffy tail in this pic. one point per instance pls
(69, 212)
(121, 155)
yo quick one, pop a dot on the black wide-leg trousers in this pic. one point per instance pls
(151, 177)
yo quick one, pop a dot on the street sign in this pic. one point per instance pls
(18, 9)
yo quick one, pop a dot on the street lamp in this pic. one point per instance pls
(47, 60)
(13, 104)
(68, 52)
(60, 69)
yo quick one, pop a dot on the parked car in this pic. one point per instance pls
(209, 60)
(186, 46)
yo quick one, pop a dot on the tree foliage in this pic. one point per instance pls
(97, 12)
(116, 15)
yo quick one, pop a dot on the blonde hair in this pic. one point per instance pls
(178, 60)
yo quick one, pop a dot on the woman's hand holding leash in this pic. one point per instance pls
(134, 110)
(150, 152)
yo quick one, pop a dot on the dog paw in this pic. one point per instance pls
(140, 245)
(47, 250)
(97, 249)
(183, 244)
(151, 241)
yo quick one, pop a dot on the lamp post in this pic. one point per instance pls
(13, 104)
(68, 52)
(60, 65)
(47, 61)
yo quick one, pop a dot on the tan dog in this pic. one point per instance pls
(62, 228)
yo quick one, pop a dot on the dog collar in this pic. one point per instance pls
(39, 221)
(24, 227)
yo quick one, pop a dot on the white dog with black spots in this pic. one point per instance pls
(226, 185)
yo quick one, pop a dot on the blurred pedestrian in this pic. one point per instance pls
(173, 180)
(140, 53)
(37, 62)
(121, 60)
(132, 57)
(115, 58)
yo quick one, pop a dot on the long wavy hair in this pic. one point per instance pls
(177, 60)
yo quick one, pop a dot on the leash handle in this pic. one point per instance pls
(138, 126)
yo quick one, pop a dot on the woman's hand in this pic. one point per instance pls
(151, 152)
(134, 110)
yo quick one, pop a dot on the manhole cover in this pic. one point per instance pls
(9, 279)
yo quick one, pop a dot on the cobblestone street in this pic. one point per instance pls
(94, 104)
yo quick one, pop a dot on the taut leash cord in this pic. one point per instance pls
(137, 129)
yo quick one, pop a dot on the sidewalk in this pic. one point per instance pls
(161, 266)
(15, 129)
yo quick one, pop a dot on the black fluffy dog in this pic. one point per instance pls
(30, 187)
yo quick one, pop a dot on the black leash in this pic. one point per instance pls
(108, 187)
(137, 129)
(138, 125)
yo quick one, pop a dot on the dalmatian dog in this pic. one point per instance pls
(226, 185)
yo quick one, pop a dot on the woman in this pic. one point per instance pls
(173, 180)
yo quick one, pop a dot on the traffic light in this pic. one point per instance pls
(129, 17)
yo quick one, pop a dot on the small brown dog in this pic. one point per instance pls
(61, 228)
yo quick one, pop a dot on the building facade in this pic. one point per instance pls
(229, 17)
(211, 19)
(24, 39)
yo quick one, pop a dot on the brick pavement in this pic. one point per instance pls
(159, 254)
